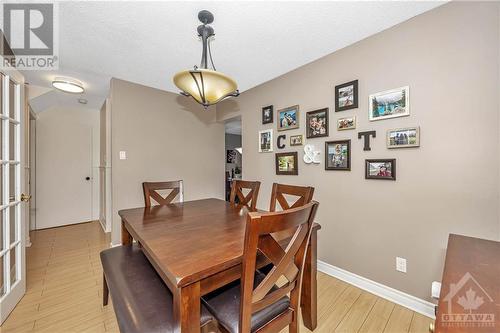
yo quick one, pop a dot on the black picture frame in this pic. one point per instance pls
(354, 105)
(295, 170)
(327, 158)
(269, 118)
(230, 156)
(309, 131)
(392, 161)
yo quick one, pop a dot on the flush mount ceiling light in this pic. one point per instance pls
(68, 85)
(204, 84)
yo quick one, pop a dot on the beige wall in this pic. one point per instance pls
(450, 59)
(166, 137)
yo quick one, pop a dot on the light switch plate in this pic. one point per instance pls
(401, 264)
(123, 155)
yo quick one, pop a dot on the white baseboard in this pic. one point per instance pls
(104, 226)
(119, 244)
(411, 302)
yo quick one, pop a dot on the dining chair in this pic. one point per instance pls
(239, 199)
(151, 192)
(257, 303)
(280, 191)
(227, 182)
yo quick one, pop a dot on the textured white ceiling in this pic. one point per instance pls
(147, 42)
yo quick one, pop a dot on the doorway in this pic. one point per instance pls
(32, 173)
(234, 152)
(67, 161)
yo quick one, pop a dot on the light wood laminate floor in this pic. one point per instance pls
(64, 292)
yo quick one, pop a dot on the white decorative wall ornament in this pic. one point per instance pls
(311, 155)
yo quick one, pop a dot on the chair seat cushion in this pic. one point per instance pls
(141, 300)
(224, 304)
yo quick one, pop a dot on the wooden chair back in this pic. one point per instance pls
(287, 261)
(228, 185)
(151, 192)
(249, 200)
(304, 194)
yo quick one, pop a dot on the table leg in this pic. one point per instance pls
(126, 237)
(187, 309)
(308, 300)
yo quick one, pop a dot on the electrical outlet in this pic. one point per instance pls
(401, 264)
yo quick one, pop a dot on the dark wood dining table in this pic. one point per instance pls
(469, 301)
(197, 247)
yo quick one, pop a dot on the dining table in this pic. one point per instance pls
(197, 246)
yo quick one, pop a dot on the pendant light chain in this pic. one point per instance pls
(210, 54)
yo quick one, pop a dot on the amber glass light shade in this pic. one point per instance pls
(206, 86)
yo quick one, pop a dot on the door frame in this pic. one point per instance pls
(15, 292)
(30, 130)
(105, 185)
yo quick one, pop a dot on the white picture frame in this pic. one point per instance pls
(392, 108)
(265, 147)
(343, 126)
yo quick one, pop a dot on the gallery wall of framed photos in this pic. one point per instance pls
(389, 104)
(419, 107)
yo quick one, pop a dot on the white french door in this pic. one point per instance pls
(12, 250)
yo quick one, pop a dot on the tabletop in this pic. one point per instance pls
(470, 293)
(202, 237)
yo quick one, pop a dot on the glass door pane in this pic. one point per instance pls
(12, 100)
(14, 276)
(2, 284)
(13, 227)
(12, 183)
(3, 245)
(12, 140)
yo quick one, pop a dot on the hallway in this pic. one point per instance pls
(64, 286)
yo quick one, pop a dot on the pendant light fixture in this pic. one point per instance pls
(206, 85)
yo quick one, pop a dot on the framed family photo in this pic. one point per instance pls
(266, 141)
(296, 140)
(346, 96)
(380, 169)
(403, 137)
(389, 104)
(287, 163)
(288, 118)
(267, 115)
(317, 123)
(338, 155)
(347, 123)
